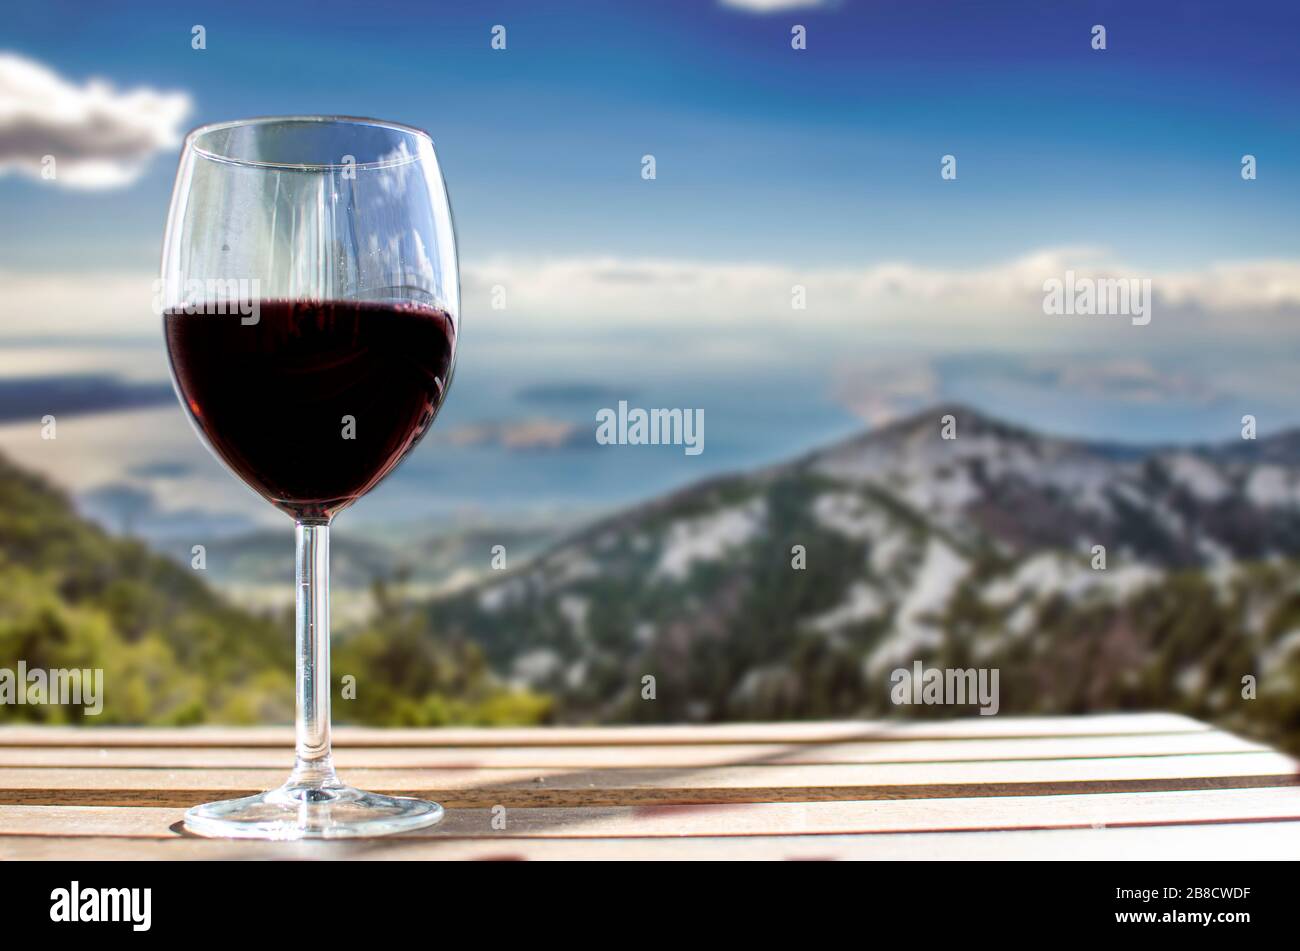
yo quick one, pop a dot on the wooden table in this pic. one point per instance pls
(1116, 786)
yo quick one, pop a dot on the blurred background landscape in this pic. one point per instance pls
(775, 169)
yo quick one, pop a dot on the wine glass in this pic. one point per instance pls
(310, 302)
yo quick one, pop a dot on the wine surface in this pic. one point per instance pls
(315, 402)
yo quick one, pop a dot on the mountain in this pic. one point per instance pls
(972, 551)
(1175, 507)
(174, 650)
(265, 557)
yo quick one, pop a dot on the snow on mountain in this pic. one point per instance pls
(791, 591)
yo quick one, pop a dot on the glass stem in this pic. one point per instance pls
(314, 764)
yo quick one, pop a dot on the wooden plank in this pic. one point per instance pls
(1229, 841)
(642, 755)
(793, 732)
(758, 783)
(748, 819)
(1116, 786)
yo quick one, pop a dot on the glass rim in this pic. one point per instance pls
(194, 135)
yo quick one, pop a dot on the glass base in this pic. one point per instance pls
(311, 811)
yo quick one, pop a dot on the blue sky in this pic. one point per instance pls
(775, 167)
(829, 155)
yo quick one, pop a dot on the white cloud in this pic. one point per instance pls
(911, 300)
(773, 6)
(997, 307)
(99, 305)
(1263, 285)
(99, 137)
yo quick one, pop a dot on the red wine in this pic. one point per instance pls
(316, 402)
